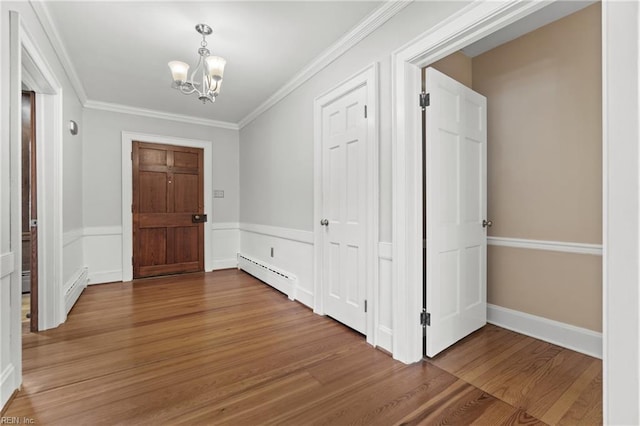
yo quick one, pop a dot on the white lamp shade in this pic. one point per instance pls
(179, 71)
(215, 66)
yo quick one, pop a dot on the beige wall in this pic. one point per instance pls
(544, 165)
(545, 131)
(457, 66)
(565, 287)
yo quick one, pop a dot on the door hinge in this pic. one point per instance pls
(365, 111)
(365, 306)
(425, 100)
(425, 318)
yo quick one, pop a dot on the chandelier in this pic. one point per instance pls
(207, 73)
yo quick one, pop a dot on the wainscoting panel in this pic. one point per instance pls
(74, 287)
(72, 257)
(6, 264)
(292, 252)
(7, 371)
(7, 383)
(103, 254)
(225, 245)
(103, 250)
(384, 326)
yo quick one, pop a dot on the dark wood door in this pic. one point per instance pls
(168, 192)
(29, 205)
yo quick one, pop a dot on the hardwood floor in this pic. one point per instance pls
(224, 348)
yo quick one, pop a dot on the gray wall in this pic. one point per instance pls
(72, 110)
(102, 163)
(72, 168)
(276, 149)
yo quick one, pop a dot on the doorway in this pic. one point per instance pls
(29, 312)
(168, 209)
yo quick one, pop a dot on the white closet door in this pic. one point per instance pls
(456, 192)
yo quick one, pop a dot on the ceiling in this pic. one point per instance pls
(544, 16)
(120, 50)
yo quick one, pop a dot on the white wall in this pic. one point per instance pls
(102, 186)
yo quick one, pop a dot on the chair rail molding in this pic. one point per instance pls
(560, 246)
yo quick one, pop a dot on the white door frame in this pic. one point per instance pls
(472, 23)
(127, 194)
(369, 77)
(621, 177)
(29, 66)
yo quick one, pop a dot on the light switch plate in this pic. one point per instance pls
(218, 193)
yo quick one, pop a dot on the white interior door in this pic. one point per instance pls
(344, 139)
(456, 191)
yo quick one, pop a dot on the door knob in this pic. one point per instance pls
(324, 222)
(487, 224)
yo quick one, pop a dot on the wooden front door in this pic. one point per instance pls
(168, 203)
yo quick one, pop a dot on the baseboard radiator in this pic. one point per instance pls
(75, 287)
(276, 278)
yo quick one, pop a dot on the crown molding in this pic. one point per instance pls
(362, 30)
(125, 109)
(42, 12)
(372, 22)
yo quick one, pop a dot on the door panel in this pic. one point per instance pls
(185, 193)
(344, 135)
(30, 204)
(456, 191)
(168, 189)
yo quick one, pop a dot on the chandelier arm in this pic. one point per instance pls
(210, 84)
(199, 68)
(187, 89)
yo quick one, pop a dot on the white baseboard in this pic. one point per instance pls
(225, 264)
(385, 338)
(7, 384)
(74, 288)
(105, 277)
(568, 336)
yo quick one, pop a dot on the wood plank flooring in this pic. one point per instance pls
(224, 348)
